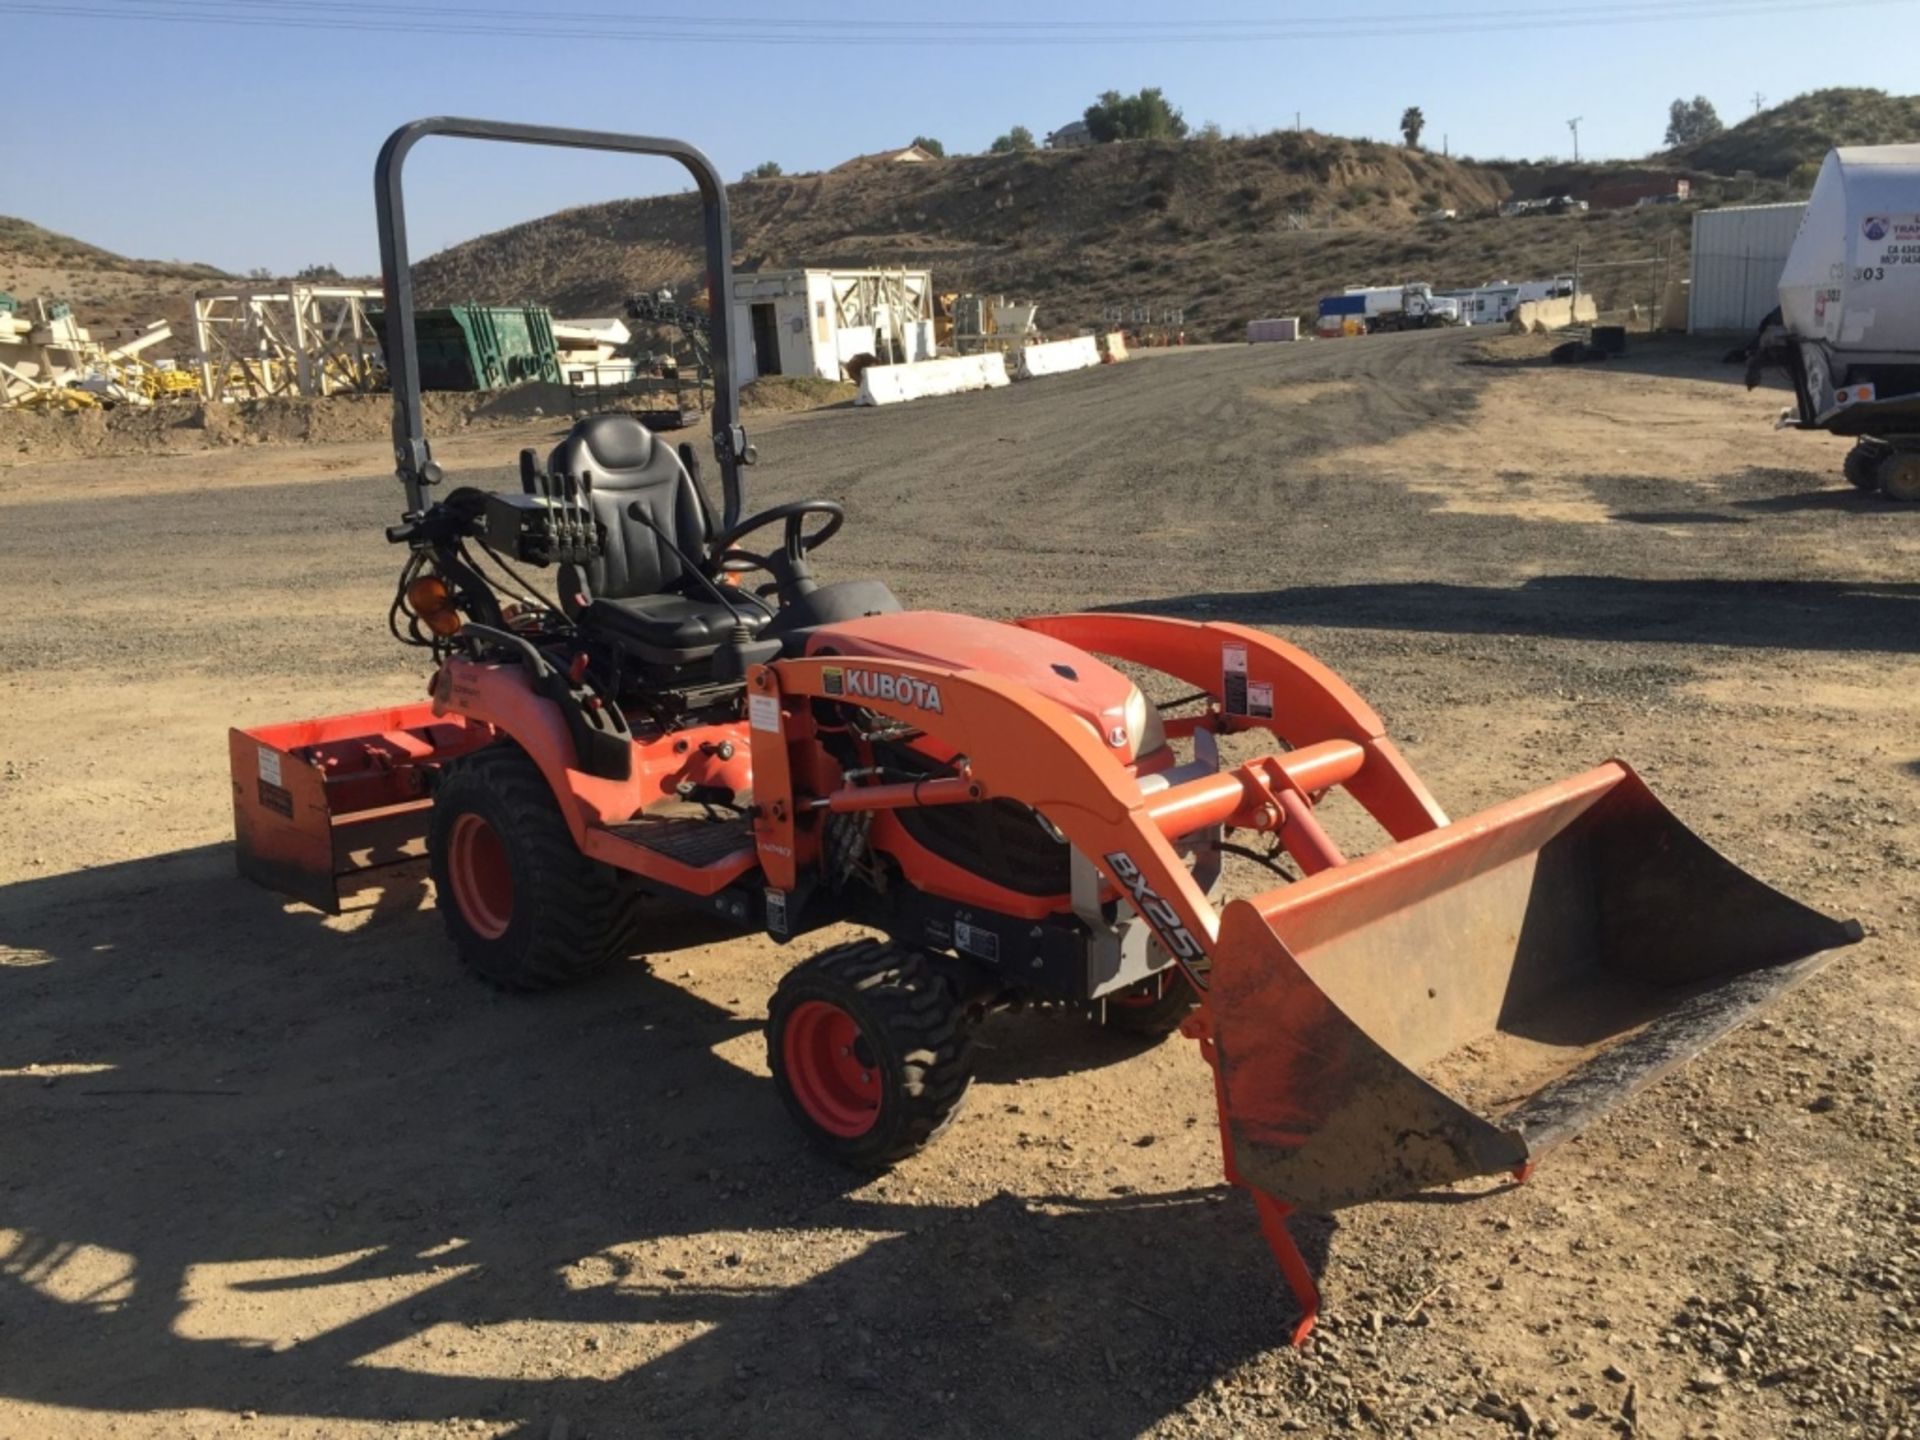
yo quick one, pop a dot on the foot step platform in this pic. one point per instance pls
(692, 840)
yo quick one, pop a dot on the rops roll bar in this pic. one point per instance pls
(413, 457)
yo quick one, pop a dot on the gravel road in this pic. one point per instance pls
(263, 1172)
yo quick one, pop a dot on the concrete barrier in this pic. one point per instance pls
(1538, 316)
(1056, 358)
(891, 384)
(1113, 346)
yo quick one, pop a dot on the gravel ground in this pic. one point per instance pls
(264, 1172)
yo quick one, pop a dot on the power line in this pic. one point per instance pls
(433, 13)
(824, 30)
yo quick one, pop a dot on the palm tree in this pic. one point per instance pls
(1411, 124)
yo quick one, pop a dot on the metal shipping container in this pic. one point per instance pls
(1737, 256)
(480, 347)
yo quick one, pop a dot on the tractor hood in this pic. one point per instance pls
(1110, 704)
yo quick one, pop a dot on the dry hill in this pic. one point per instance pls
(110, 293)
(1223, 229)
(1205, 224)
(1789, 141)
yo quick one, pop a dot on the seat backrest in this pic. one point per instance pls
(630, 466)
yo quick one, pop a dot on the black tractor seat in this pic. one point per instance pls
(680, 624)
(640, 594)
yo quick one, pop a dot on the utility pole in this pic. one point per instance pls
(1296, 121)
(1574, 126)
(1758, 101)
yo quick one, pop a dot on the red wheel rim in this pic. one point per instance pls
(831, 1069)
(1139, 997)
(481, 878)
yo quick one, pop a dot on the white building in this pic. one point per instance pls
(1738, 253)
(812, 322)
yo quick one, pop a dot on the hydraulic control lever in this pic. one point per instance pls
(567, 505)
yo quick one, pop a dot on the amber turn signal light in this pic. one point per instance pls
(430, 599)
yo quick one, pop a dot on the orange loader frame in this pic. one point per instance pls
(1311, 1013)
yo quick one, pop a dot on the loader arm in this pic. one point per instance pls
(1305, 701)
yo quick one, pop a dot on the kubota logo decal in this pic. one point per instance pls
(882, 685)
(1159, 914)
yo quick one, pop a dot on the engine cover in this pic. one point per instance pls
(1109, 703)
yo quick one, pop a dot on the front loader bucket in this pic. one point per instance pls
(1458, 1003)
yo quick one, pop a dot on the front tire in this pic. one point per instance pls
(871, 1051)
(1153, 1009)
(524, 908)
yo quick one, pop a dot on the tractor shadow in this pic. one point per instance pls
(1775, 614)
(255, 1160)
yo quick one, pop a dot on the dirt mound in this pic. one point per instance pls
(29, 437)
(774, 394)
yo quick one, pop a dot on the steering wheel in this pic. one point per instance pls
(795, 545)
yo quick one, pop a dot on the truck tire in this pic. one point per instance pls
(524, 908)
(871, 1050)
(1862, 467)
(1152, 1009)
(1899, 473)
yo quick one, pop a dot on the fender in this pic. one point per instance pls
(503, 698)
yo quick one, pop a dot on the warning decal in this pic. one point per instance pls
(1233, 679)
(977, 941)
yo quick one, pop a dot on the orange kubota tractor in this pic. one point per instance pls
(1007, 809)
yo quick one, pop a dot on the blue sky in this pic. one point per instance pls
(252, 144)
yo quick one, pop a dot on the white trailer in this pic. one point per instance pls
(1848, 327)
(1494, 302)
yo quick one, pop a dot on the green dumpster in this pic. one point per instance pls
(480, 347)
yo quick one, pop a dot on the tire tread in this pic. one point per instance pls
(584, 916)
(926, 1027)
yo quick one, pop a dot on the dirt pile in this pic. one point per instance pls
(31, 437)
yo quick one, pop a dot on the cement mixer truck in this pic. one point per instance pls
(1847, 332)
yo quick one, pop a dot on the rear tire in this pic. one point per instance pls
(1899, 475)
(1862, 467)
(524, 908)
(871, 1051)
(1153, 1009)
